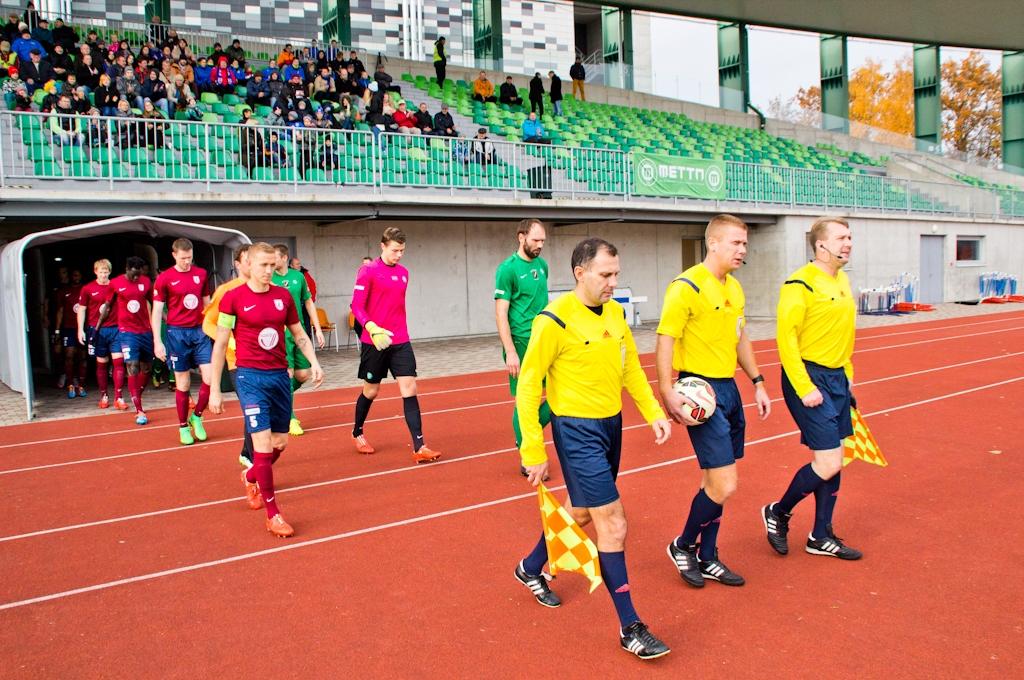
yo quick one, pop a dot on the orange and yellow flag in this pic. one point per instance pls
(862, 444)
(569, 547)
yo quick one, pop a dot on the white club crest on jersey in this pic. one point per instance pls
(134, 306)
(142, 286)
(196, 279)
(279, 305)
(190, 301)
(268, 338)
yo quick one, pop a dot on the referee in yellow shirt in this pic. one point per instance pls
(703, 333)
(210, 314)
(582, 345)
(816, 321)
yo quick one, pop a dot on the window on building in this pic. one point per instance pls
(968, 250)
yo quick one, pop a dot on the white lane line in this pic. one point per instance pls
(382, 473)
(471, 388)
(423, 518)
(449, 410)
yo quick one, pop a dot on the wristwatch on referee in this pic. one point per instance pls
(757, 379)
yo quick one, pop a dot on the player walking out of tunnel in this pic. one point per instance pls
(520, 294)
(702, 333)
(816, 322)
(583, 348)
(210, 316)
(101, 337)
(295, 283)
(184, 290)
(132, 293)
(257, 313)
(75, 363)
(378, 303)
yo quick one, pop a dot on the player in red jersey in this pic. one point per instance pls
(258, 314)
(67, 329)
(184, 289)
(100, 339)
(133, 291)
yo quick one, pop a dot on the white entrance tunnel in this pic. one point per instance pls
(16, 354)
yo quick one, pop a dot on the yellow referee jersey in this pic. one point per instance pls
(705, 317)
(817, 316)
(587, 359)
(211, 313)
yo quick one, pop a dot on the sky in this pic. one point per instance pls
(685, 58)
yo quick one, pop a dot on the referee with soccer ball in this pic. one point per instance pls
(702, 335)
(816, 321)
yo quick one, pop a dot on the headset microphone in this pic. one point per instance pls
(822, 246)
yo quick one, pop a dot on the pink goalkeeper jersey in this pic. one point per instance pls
(379, 296)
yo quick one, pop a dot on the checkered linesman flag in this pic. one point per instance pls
(862, 444)
(569, 547)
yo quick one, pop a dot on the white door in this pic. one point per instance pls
(931, 268)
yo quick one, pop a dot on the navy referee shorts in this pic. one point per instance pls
(589, 450)
(719, 441)
(823, 427)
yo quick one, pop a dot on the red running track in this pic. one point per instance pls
(129, 556)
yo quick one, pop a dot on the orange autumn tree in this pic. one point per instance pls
(972, 106)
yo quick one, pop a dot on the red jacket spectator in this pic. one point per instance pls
(222, 75)
(405, 119)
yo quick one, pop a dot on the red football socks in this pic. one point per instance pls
(262, 473)
(203, 399)
(181, 403)
(118, 377)
(101, 377)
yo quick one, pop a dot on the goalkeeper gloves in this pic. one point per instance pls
(381, 337)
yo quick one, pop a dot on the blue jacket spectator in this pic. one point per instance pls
(24, 45)
(292, 70)
(202, 72)
(532, 128)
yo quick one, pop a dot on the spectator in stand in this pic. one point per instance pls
(533, 131)
(157, 30)
(252, 151)
(12, 29)
(127, 128)
(285, 56)
(276, 156)
(242, 75)
(65, 124)
(87, 73)
(8, 58)
(64, 35)
(52, 96)
(217, 53)
(322, 118)
(537, 95)
(483, 148)
(129, 88)
(293, 69)
(13, 83)
(35, 72)
(271, 68)
(181, 97)
(278, 89)
(155, 125)
(325, 87)
(295, 87)
(440, 60)
(80, 101)
(407, 123)
(202, 72)
(106, 96)
(184, 69)
(424, 121)
(93, 42)
(348, 114)
(43, 34)
(181, 50)
(333, 53)
(236, 53)
(483, 89)
(555, 93)
(385, 82)
(509, 94)
(61, 63)
(31, 15)
(96, 131)
(222, 78)
(355, 62)
(155, 91)
(257, 93)
(276, 116)
(115, 67)
(22, 102)
(444, 124)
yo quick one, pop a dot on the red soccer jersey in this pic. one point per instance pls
(132, 312)
(183, 293)
(260, 319)
(92, 296)
(68, 297)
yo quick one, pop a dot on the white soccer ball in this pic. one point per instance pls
(699, 392)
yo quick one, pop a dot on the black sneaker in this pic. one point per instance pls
(636, 639)
(776, 526)
(832, 546)
(716, 570)
(538, 585)
(687, 564)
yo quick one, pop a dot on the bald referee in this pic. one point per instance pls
(702, 333)
(816, 320)
(581, 344)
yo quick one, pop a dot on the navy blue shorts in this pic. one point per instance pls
(105, 341)
(824, 427)
(69, 338)
(719, 441)
(187, 348)
(588, 451)
(136, 346)
(266, 399)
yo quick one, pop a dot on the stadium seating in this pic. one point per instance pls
(1011, 199)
